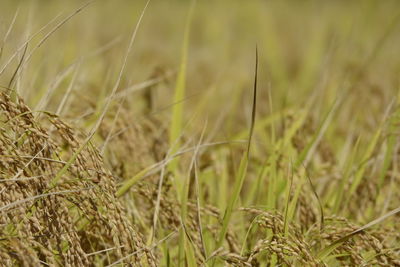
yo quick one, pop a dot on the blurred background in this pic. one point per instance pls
(304, 47)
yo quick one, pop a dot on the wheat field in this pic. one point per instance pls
(199, 133)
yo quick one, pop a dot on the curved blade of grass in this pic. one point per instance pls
(158, 200)
(58, 176)
(183, 246)
(359, 175)
(198, 206)
(345, 180)
(325, 252)
(55, 28)
(25, 43)
(314, 191)
(46, 94)
(3, 42)
(142, 249)
(254, 191)
(291, 131)
(143, 173)
(305, 155)
(129, 183)
(246, 237)
(11, 82)
(61, 106)
(29, 199)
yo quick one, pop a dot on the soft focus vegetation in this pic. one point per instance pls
(133, 135)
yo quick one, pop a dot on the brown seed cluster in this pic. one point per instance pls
(294, 248)
(75, 221)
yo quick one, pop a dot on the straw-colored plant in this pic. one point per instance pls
(177, 142)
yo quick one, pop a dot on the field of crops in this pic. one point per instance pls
(199, 133)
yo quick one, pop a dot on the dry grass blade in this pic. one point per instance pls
(29, 162)
(329, 249)
(314, 191)
(142, 86)
(53, 86)
(198, 206)
(20, 179)
(104, 146)
(26, 43)
(69, 91)
(157, 166)
(184, 235)
(136, 252)
(3, 42)
(54, 29)
(102, 251)
(19, 202)
(107, 104)
(10, 84)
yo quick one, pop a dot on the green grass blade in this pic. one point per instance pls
(130, 182)
(175, 130)
(307, 152)
(390, 146)
(344, 181)
(359, 175)
(239, 179)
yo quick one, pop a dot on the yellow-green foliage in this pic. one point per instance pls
(156, 167)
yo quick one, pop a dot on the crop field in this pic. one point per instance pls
(199, 133)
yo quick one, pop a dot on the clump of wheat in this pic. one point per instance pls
(75, 221)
